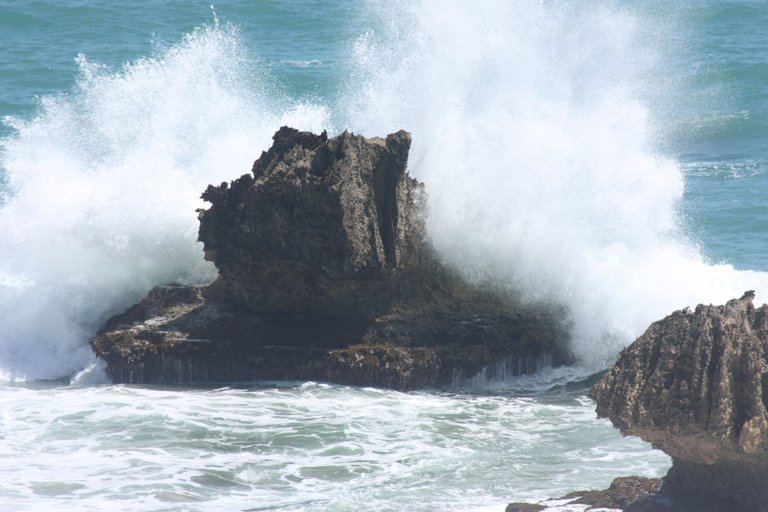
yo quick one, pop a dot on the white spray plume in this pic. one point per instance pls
(532, 133)
(105, 181)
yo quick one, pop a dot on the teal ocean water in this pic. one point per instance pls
(600, 154)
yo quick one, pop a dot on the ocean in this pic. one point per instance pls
(604, 155)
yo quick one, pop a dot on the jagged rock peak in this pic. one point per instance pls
(317, 213)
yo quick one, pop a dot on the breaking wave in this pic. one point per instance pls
(104, 182)
(534, 132)
(531, 126)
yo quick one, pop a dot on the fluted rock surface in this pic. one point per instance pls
(695, 385)
(325, 273)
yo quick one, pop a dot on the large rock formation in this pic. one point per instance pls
(695, 385)
(325, 273)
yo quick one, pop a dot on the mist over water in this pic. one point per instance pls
(533, 130)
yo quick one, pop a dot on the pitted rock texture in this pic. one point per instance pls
(325, 273)
(320, 225)
(695, 385)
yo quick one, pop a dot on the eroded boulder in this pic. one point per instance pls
(695, 385)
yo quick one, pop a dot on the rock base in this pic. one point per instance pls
(178, 336)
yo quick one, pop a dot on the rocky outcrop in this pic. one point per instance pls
(325, 273)
(695, 385)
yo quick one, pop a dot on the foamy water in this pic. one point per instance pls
(104, 186)
(303, 447)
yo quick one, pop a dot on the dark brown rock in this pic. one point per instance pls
(325, 273)
(694, 385)
(622, 493)
(666, 502)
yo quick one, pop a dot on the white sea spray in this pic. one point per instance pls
(533, 129)
(104, 182)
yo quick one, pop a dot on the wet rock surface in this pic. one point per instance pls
(325, 273)
(622, 493)
(695, 385)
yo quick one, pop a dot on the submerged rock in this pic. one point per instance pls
(325, 273)
(628, 494)
(695, 385)
(622, 493)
